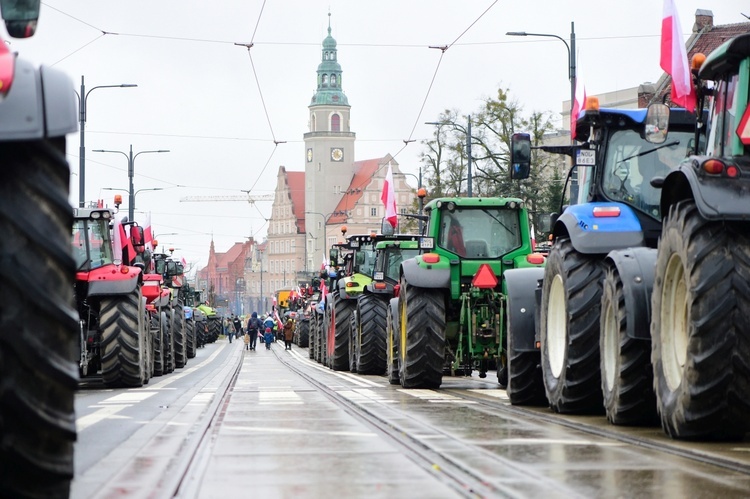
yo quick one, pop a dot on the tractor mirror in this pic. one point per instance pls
(657, 123)
(386, 228)
(520, 156)
(20, 17)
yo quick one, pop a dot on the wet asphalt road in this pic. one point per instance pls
(235, 423)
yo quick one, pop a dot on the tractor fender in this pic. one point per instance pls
(636, 268)
(112, 287)
(716, 197)
(520, 287)
(425, 277)
(600, 235)
(40, 104)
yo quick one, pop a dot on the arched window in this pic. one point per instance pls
(333, 80)
(335, 123)
(313, 125)
(325, 79)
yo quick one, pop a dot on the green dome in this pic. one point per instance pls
(329, 91)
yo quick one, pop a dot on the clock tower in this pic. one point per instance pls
(329, 145)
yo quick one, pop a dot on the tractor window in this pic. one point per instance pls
(367, 267)
(91, 244)
(394, 257)
(632, 162)
(480, 232)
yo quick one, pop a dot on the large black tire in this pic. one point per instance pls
(422, 336)
(123, 340)
(342, 311)
(214, 329)
(190, 339)
(167, 318)
(522, 373)
(38, 323)
(569, 330)
(159, 345)
(392, 341)
(303, 333)
(180, 337)
(700, 328)
(371, 337)
(353, 328)
(627, 376)
(312, 347)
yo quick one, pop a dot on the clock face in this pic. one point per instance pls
(309, 155)
(337, 154)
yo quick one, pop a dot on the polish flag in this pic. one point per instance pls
(388, 197)
(578, 103)
(148, 233)
(122, 242)
(183, 262)
(674, 58)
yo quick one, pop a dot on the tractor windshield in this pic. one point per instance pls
(365, 264)
(480, 232)
(632, 162)
(91, 244)
(393, 256)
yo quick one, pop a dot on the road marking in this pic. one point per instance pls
(493, 392)
(266, 429)
(285, 397)
(95, 417)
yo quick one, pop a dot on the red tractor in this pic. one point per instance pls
(114, 333)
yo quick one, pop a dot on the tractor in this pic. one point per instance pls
(38, 321)
(368, 341)
(449, 317)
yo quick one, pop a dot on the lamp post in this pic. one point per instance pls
(131, 167)
(135, 193)
(421, 193)
(571, 59)
(82, 98)
(466, 131)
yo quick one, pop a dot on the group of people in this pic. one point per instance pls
(258, 327)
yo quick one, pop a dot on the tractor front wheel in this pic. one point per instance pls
(371, 341)
(392, 331)
(123, 359)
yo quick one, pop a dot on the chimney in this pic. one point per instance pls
(703, 19)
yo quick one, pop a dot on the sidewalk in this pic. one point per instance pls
(278, 437)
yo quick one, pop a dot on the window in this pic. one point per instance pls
(325, 80)
(373, 212)
(335, 123)
(333, 80)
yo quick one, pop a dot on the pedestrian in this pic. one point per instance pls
(237, 323)
(247, 341)
(225, 326)
(268, 337)
(254, 327)
(288, 334)
(269, 323)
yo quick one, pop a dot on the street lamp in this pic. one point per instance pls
(467, 131)
(571, 60)
(325, 218)
(82, 98)
(421, 193)
(135, 193)
(131, 167)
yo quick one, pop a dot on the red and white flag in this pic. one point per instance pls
(388, 197)
(674, 59)
(148, 233)
(578, 103)
(183, 262)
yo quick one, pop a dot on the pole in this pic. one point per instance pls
(131, 199)
(82, 148)
(468, 157)
(262, 305)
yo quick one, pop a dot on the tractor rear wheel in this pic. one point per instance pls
(627, 376)
(392, 330)
(167, 321)
(700, 346)
(371, 341)
(569, 330)
(522, 373)
(190, 338)
(303, 333)
(422, 336)
(312, 347)
(159, 364)
(180, 337)
(341, 323)
(123, 350)
(39, 331)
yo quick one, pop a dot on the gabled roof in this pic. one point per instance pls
(224, 260)
(363, 176)
(296, 183)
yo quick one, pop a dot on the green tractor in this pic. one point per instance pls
(342, 300)
(367, 347)
(450, 313)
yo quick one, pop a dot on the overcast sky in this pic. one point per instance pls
(219, 109)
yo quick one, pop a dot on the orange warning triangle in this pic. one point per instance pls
(485, 278)
(743, 130)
